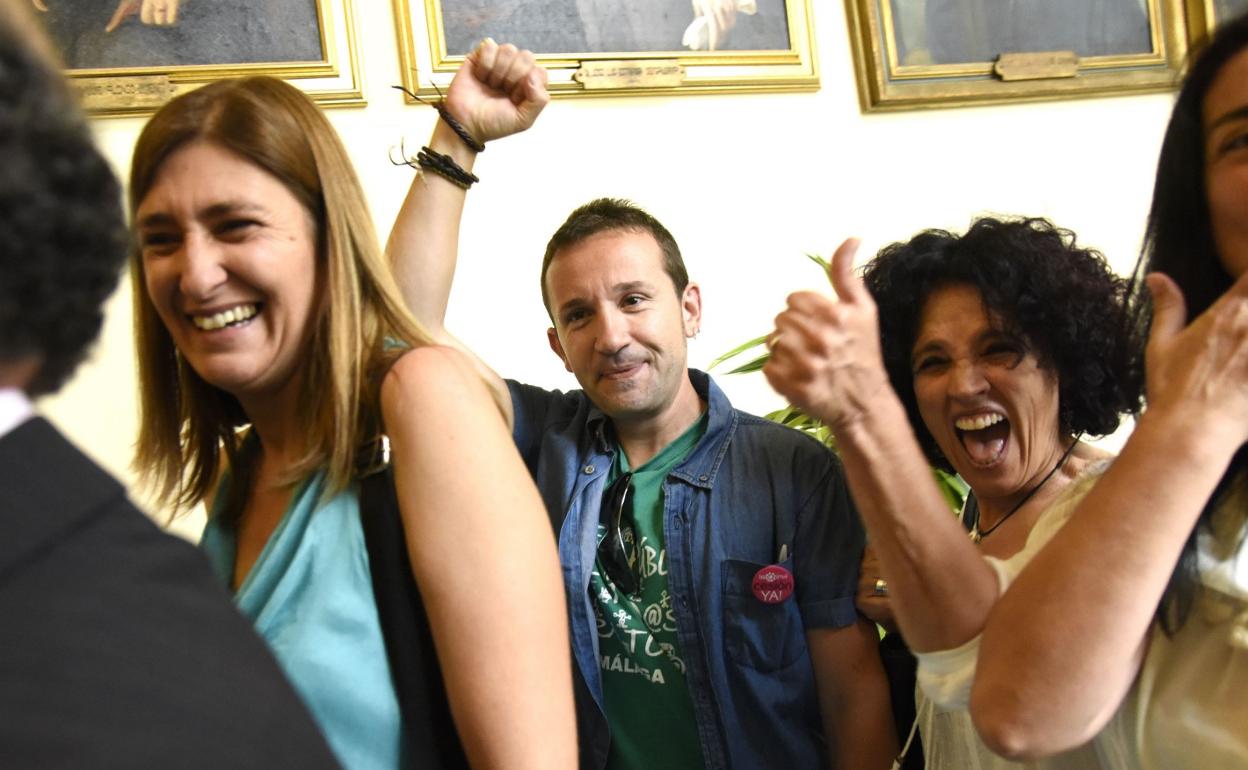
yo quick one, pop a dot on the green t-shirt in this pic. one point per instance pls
(643, 676)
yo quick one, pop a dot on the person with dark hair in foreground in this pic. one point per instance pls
(710, 557)
(1136, 614)
(999, 350)
(117, 646)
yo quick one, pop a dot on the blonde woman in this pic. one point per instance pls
(273, 347)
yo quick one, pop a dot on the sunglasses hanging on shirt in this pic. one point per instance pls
(616, 504)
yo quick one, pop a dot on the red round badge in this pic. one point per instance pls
(773, 584)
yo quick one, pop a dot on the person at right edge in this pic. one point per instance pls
(1134, 619)
(118, 649)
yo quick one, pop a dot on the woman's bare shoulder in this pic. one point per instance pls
(433, 378)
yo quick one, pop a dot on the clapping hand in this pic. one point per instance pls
(1198, 372)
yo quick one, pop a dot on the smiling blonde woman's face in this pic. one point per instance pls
(229, 260)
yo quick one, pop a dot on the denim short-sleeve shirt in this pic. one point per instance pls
(749, 493)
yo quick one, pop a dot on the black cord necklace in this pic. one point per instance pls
(977, 536)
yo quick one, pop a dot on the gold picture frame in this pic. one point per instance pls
(120, 66)
(944, 70)
(774, 45)
(1203, 16)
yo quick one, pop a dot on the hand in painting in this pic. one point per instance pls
(724, 13)
(160, 13)
(499, 90)
(713, 20)
(825, 351)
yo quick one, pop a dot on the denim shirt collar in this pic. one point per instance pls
(702, 465)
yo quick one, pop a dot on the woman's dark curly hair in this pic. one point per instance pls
(1062, 301)
(62, 233)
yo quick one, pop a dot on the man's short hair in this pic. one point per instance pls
(62, 233)
(606, 215)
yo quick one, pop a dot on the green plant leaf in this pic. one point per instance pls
(820, 261)
(952, 487)
(738, 350)
(752, 366)
(781, 415)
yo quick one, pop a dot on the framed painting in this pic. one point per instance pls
(131, 56)
(930, 53)
(610, 47)
(1204, 16)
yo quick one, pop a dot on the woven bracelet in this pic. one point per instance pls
(445, 167)
(447, 118)
(458, 128)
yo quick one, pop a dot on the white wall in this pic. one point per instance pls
(746, 183)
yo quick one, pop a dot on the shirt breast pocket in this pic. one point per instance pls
(758, 635)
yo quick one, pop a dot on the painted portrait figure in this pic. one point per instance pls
(121, 34)
(961, 31)
(601, 26)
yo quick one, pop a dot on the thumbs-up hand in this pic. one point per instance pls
(1198, 372)
(825, 351)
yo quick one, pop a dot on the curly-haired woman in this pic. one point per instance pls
(994, 353)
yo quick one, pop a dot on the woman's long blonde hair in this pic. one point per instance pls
(185, 423)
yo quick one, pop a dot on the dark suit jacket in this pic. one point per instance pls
(118, 648)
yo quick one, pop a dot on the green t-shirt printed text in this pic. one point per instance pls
(643, 676)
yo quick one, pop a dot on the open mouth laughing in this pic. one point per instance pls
(983, 436)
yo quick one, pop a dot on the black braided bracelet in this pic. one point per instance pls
(459, 130)
(445, 167)
(447, 118)
(437, 163)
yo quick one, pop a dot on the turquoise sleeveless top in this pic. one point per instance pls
(310, 595)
